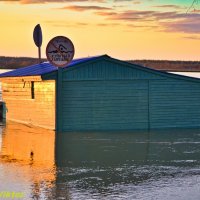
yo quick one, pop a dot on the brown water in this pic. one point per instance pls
(135, 165)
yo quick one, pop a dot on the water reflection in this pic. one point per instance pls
(27, 160)
(112, 165)
(135, 165)
(108, 149)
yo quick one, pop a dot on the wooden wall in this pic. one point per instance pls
(39, 111)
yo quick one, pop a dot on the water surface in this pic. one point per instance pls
(112, 165)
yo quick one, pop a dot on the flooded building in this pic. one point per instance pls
(101, 93)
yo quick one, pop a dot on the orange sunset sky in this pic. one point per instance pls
(124, 29)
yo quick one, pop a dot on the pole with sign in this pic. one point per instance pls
(37, 37)
(60, 52)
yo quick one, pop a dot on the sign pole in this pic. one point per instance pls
(59, 101)
(39, 53)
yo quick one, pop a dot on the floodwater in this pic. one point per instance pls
(38, 164)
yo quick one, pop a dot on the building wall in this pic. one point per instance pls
(105, 105)
(115, 96)
(174, 103)
(39, 111)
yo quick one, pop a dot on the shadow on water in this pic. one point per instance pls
(109, 165)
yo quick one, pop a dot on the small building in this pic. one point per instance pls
(101, 93)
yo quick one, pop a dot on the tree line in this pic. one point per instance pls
(163, 65)
(168, 65)
(17, 62)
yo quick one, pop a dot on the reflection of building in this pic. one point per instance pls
(104, 149)
(101, 93)
(29, 150)
(0, 137)
(102, 161)
(66, 165)
(28, 145)
(110, 148)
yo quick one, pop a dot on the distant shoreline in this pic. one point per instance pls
(163, 65)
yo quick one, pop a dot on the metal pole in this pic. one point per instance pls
(59, 116)
(39, 53)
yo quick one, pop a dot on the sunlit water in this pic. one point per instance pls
(136, 165)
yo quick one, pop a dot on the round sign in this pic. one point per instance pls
(60, 51)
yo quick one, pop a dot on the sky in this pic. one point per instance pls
(123, 29)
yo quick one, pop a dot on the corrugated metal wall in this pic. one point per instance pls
(105, 105)
(110, 95)
(105, 70)
(174, 103)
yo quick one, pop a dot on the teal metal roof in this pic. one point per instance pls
(43, 68)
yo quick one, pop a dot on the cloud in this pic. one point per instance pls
(49, 1)
(9, 0)
(142, 26)
(167, 21)
(173, 21)
(127, 15)
(168, 6)
(85, 8)
(137, 2)
(131, 15)
(106, 14)
(123, 0)
(108, 24)
(128, 1)
(195, 11)
(192, 37)
(187, 25)
(66, 24)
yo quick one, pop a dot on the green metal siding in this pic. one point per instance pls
(174, 103)
(105, 105)
(111, 95)
(106, 70)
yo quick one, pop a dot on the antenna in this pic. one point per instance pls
(37, 37)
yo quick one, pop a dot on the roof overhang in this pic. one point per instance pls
(21, 78)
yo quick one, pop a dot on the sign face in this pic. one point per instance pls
(60, 51)
(37, 36)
